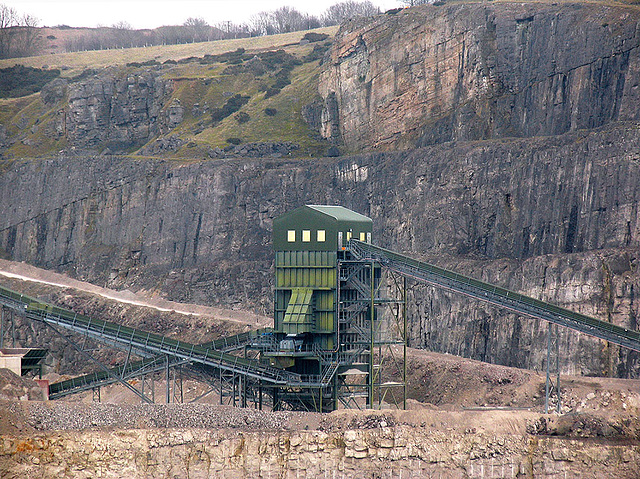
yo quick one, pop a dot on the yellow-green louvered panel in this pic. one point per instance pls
(324, 311)
(299, 317)
(306, 269)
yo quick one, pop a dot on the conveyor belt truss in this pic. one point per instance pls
(496, 295)
(145, 366)
(147, 344)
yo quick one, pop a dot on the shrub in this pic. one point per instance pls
(317, 53)
(232, 105)
(20, 81)
(242, 117)
(271, 91)
(234, 141)
(270, 111)
(315, 37)
(86, 73)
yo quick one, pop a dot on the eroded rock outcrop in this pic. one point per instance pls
(116, 111)
(467, 72)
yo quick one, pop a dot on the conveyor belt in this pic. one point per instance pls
(145, 366)
(147, 344)
(496, 295)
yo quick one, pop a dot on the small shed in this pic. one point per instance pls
(22, 360)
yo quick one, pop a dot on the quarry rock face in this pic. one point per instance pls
(119, 112)
(556, 218)
(399, 451)
(528, 176)
(433, 74)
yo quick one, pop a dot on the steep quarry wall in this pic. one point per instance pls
(556, 218)
(467, 72)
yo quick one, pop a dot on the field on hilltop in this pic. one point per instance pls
(73, 63)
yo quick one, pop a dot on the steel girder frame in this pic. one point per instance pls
(130, 370)
(496, 295)
(379, 324)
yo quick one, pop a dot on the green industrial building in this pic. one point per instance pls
(323, 313)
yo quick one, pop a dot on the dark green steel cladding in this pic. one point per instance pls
(306, 268)
(330, 219)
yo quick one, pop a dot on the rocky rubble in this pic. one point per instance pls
(14, 387)
(255, 150)
(77, 416)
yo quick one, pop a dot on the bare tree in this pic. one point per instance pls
(261, 24)
(27, 36)
(8, 18)
(18, 33)
(338, 13)
(282, 20)
(121, 35)
(198, 29)
(287, 19)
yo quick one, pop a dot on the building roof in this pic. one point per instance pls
(30, 358)
(340, 213)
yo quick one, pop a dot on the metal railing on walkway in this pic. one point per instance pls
(496, 295)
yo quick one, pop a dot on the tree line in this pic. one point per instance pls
(19, 35)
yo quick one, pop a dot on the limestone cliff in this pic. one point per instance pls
(553, 213)
(118, 112)
(556, 218)
(433, 74)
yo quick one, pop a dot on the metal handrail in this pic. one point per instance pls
(496, 295)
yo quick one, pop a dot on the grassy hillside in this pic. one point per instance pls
(73, 63)
(274, 76)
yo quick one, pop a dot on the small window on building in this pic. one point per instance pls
(322, 236)
(291, 236)
(368, 237)
(349, 234)
(306, 236)
(363, 236)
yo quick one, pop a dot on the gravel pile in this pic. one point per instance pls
(76, 416)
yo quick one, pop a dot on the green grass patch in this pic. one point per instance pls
(286, 123)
